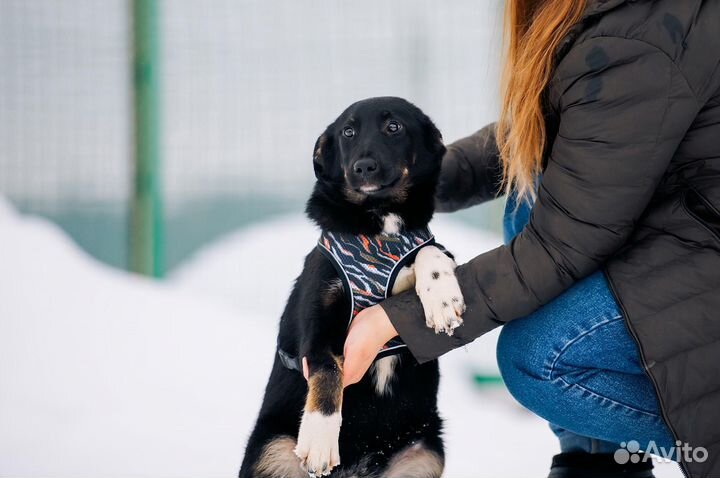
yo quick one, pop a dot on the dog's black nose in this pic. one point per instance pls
(365, 167)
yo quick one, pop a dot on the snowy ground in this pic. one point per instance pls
(105, 374)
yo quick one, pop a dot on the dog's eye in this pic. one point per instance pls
(348, 132)
(393, 126)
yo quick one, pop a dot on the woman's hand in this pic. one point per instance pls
(369, 331)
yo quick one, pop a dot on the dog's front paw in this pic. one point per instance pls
(444, 306)
(317, 444)
(439, 291)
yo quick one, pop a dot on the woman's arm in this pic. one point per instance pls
(624, 108)
(471, 172)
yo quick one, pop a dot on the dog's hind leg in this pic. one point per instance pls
(278, 460)
(415, 461)
(270, 454)
(273, 436)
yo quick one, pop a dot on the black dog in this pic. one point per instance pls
(377, 167)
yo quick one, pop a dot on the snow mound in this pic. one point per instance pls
(106, 374)
(252, 269)
(6, 210)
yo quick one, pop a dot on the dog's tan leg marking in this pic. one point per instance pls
(317, 444)
(278, 460)
(415, 461)
(438, 289)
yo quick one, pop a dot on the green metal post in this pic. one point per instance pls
(146, 228)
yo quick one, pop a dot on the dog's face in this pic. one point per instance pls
(377, 149)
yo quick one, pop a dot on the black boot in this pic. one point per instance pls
(600, 465)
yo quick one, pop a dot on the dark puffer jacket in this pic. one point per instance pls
(632, 186)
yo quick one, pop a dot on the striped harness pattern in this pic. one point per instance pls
(368, 267)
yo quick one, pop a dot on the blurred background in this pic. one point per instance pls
(230, 95)
(152, 154)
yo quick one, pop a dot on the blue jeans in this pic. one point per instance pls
(574, 363)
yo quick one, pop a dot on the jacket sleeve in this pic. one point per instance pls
(623, 109)
(471, 172)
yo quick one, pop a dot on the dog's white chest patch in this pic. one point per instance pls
(392, 223)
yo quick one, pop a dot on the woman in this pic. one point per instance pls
(610, 128)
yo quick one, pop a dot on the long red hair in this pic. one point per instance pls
(534, 30)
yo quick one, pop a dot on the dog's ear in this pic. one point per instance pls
(324, 153)
(432, 137)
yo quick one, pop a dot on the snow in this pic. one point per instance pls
(107, 374)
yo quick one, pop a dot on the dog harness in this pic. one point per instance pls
(368, 267)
